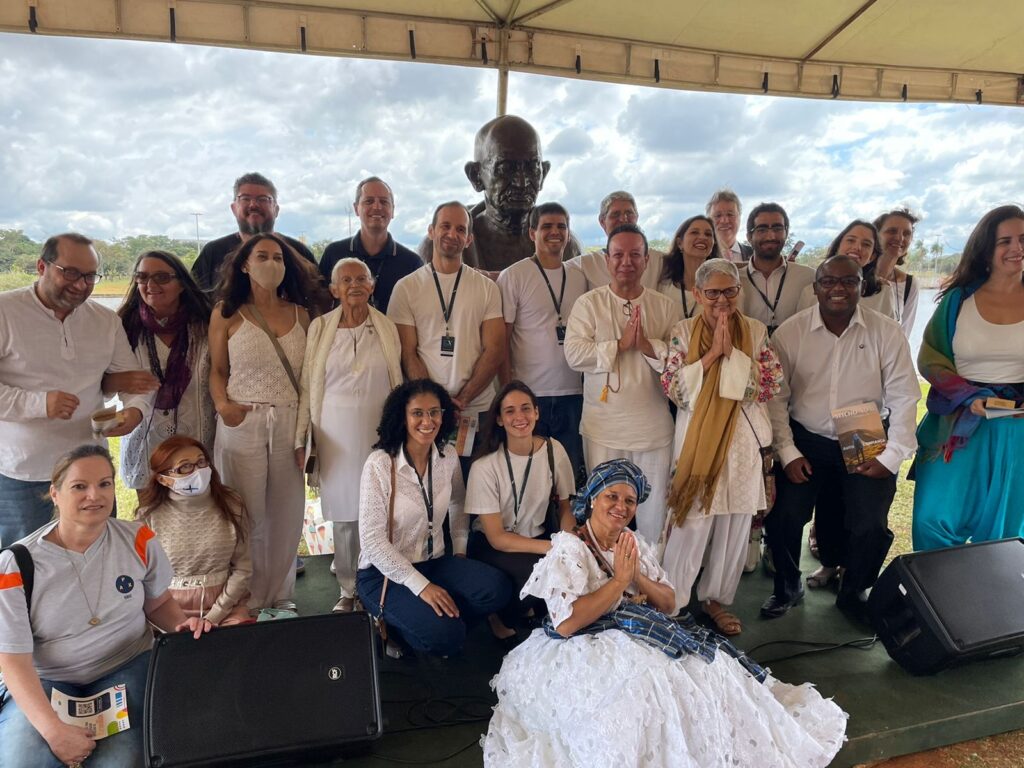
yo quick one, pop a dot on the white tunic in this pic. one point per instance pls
(634, 416)
(740, 487)
(355, 386)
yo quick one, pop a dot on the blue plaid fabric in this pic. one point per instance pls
(608, 473)
(674, 637)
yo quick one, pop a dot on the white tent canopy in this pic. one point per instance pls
(880, 50)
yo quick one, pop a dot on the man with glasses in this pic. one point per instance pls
(617, 337)
(724, 210)
(388, 260)
(771, 285)
(55, 348)
(617, 208)
(255, 207)
(835, 355)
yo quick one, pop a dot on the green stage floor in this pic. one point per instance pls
(891, 712)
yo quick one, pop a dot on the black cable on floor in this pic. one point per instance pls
(860, 644)
(432, 761)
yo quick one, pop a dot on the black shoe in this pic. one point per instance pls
(775, 606)
(855, 605)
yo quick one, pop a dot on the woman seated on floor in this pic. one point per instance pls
(99, 583)
(203, 527)
(514, 516)
(721, 373)
(411, 485)
(611, 680)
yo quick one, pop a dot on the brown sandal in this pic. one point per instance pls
(727, 623)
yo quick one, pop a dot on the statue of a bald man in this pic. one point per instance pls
(508, 168)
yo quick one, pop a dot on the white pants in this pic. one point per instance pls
(650, 516)
(346, 556)
(257, 459)
(716, 542)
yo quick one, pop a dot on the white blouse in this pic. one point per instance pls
(569, 571)
(411, 529)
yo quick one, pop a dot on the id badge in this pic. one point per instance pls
(560, 334)
(447, 346)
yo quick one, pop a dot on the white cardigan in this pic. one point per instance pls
(319, 339)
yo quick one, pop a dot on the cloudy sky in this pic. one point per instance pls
(117, 138)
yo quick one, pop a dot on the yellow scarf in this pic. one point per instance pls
(711, 426)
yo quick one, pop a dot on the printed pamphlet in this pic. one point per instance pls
(466, 435)
(860, 433)
(101, 715)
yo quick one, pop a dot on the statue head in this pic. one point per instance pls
(507, 165)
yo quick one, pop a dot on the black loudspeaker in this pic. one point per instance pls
(937, 609)
(263, 693)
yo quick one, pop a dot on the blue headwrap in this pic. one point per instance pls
(610, 473)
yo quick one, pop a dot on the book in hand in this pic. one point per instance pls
(998, 408)
(860, 433)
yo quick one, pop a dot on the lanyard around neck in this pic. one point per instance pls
(687, 312)
(446, 309)
(428, 496)
(772, 305)
(561, 294)
(517, 498)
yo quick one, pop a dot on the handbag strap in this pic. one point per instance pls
(756, 438)
(551, 468)
(27, 567)
(391, 527)
(277, 348)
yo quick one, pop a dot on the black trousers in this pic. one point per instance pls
(517, 566)
(852, 518)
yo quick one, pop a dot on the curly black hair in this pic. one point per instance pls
(392, 432)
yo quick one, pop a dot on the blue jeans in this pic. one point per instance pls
(477, 589)
(21, 746)
(24, 506)
(560, 418)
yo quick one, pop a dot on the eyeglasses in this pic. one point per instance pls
(361, 280)
(627, 215)
(160, 278)
(761, 229)
(261, 199)
(188, 467)
(435, 414)
(73, 275)
(851, 281)
(713, 293)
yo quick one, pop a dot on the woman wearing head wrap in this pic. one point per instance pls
(611, 680)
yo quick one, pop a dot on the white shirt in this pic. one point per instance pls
(415, 302)
(987, 352)
(595, 266)
(735, 253)
(489, 490)
(772, 311)
(682, 296)
(408, 543)
(906, 310)
(870, 361)
(636, 416)
(39, 354)
(536, 354)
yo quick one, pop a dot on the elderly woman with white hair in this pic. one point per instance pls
(353, 360)
(720, 373)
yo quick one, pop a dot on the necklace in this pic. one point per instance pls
(94, 619)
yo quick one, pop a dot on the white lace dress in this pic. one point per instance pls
(610, 700)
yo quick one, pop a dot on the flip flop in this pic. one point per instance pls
(727, 623)
(823, 577)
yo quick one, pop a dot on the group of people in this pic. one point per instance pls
(484, 443)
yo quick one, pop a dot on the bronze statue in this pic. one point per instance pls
(508, 168)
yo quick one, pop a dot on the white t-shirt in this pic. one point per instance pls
(415, 302)
(537, 356)
(489, 490)
(122, 569)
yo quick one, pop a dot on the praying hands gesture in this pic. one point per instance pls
(721, 341)
(627, 557)
(633, 336)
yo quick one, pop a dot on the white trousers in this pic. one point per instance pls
(257, 459)
(650, 516)
(346, 556)
(716, 542)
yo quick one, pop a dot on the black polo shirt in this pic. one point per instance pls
(207, 266)
(394, 262)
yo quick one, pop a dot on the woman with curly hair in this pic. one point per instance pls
(410, 488)
(257, 345)
(202, 526)
(166, 317)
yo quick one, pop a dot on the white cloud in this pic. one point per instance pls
(120, 138)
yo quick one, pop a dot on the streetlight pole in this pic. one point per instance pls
(197, 215)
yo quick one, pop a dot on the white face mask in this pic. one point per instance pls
(195, 484)
(269, 274)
